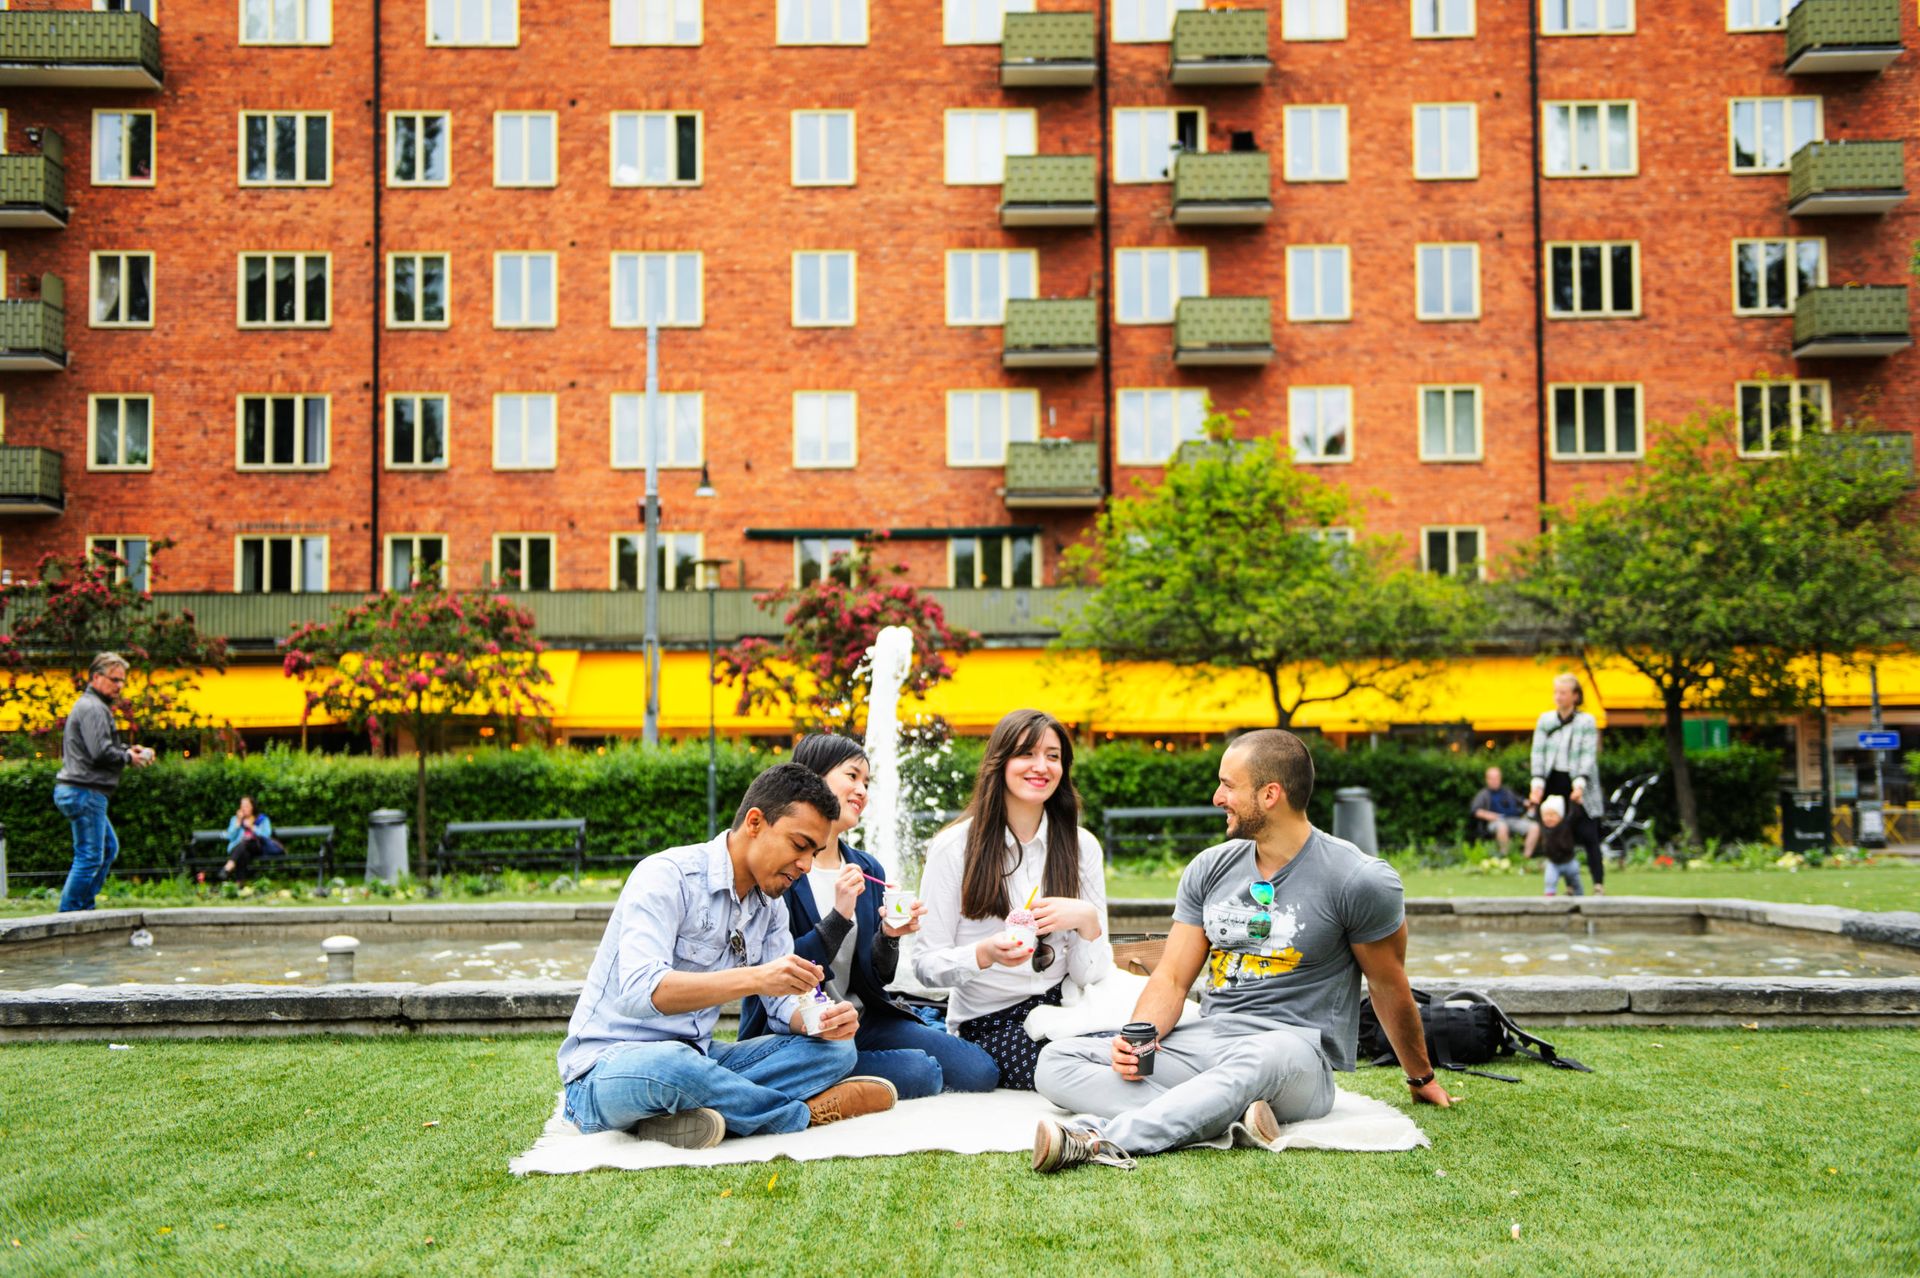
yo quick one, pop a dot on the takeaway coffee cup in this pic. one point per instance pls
(1142, 1035)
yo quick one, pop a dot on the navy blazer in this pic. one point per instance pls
(808, 944)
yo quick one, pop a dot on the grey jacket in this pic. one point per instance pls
(90, 753)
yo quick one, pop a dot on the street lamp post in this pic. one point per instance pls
(650, 554)
(710, 572)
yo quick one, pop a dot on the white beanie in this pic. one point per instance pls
(1554, 804)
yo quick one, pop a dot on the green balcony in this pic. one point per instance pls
(1054, 333)
(1223, 330)
(33, 331)
(1867, 451)
(75, 49)
(1851, 322)
(1220, 46)
(1226, 188)
(30, 481)
(1057, 474)
(1846, 177)
(1048, 50)
(1846, 37)
(33, 187)
(1050, 190)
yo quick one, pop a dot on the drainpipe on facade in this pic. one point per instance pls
(379, 315)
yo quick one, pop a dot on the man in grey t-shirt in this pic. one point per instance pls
(1283, 920)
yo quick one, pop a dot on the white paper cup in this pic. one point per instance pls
(1027, 936)
(812, 1013)
(899, 906)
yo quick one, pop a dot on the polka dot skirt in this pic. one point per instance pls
(1004, 1036)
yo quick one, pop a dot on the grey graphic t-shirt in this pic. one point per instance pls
(1329, 897)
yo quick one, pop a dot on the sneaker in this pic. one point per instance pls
(688, 1129)
(1257, 1127)
(1057, 1147)
(852, 1097)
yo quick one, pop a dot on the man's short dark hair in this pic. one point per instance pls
(781, 788)
(1276, 755)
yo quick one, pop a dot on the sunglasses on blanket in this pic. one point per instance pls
(1260, 926)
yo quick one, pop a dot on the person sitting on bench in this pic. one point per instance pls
(249, 837)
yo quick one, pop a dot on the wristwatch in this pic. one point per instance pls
(1422, 1081)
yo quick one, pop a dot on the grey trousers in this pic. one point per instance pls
(1205, 1076)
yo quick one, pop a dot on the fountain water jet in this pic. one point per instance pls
(888, 662)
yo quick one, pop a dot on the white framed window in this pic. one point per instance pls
(1147, 140)
(979, 21)
(1319, 283)
(1597, 280)
(123, 146)
(1448, 281)
(473, 22)
(817, 557)
(133, 553)
(1770, 275)
(823, 22)
(419, 148)
(286, 148)
(980, 424)
(1586, 17)
(656, 148)
(286, 21)
(825, 434)
(144, 7)
(1595, 421)
(524, 432)
(823, 153)
(524, 143)
(417, 290)
(1154, 422)
(523, 561)
(1153, 280)
(1316, 143)
(122, 290)
(993, 562)
(1775, 414)
(656, 22)
(279, 565)
(1763, 133)
(416, 431)
(122, 432)
(979, 142)
(1591, 139)
(1313, 20)
(1449, 423)
(676, 561)
(666, 287)
(526, 290)
(1446, 142)
(980, 282)
(682, 430)
(1453, 550)
(1758, 15)
(285, 290)
(824, 285)
(1147, 21)
(1443, 19)
(1320, 423)
(282, 432)
(415, 559)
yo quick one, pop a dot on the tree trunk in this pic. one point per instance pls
(1826, 747)
(420, 869)
(1676, 733)
(1282, 717)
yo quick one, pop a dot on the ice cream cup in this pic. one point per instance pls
(899, 906)
(1023, 934)
(813, 1011)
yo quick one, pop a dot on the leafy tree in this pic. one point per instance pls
(420, 661)
(1227, 564)
(818, 667)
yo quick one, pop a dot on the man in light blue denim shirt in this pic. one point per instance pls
(696, 927)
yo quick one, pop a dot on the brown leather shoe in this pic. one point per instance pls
(852, 1097)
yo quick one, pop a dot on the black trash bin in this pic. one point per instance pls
(1805, 821)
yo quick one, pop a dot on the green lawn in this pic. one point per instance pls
(1731, 1152)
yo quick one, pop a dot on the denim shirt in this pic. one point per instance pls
(677, 913)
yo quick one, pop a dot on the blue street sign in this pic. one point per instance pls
(1878, 740)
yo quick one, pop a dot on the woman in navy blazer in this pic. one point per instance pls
(836, 923)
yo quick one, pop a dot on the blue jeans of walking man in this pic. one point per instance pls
(95, 845)
(760, 1085)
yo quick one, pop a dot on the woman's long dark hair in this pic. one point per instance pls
(983, 880)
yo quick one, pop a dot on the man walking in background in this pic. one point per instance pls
(92, 757)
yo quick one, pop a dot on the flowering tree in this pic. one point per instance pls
(420, 660)
(818, 667)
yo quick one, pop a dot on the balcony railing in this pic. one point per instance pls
(1226, 187)
(1052, 333)
(1223, 330)
(76, 49)
(1220, 46)
(1868, 451)
(30, 481)
(33, 187)
(1050, 190)
(33, 331)
(1846, 177)
(1045, 50)
(1842, 36)
(1856, 322)
(1053, 473)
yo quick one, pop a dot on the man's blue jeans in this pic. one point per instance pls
(95, 845)
(761, 1085)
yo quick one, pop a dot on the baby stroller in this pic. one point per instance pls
(1623, 826)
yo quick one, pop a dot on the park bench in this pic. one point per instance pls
(314, 853)
(1110, 838)
(551, 851)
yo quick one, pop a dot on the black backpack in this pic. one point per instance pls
(1467, 1028)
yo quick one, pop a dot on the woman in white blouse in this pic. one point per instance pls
(1020, 840)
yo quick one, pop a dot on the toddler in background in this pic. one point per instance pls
(1558, 848)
